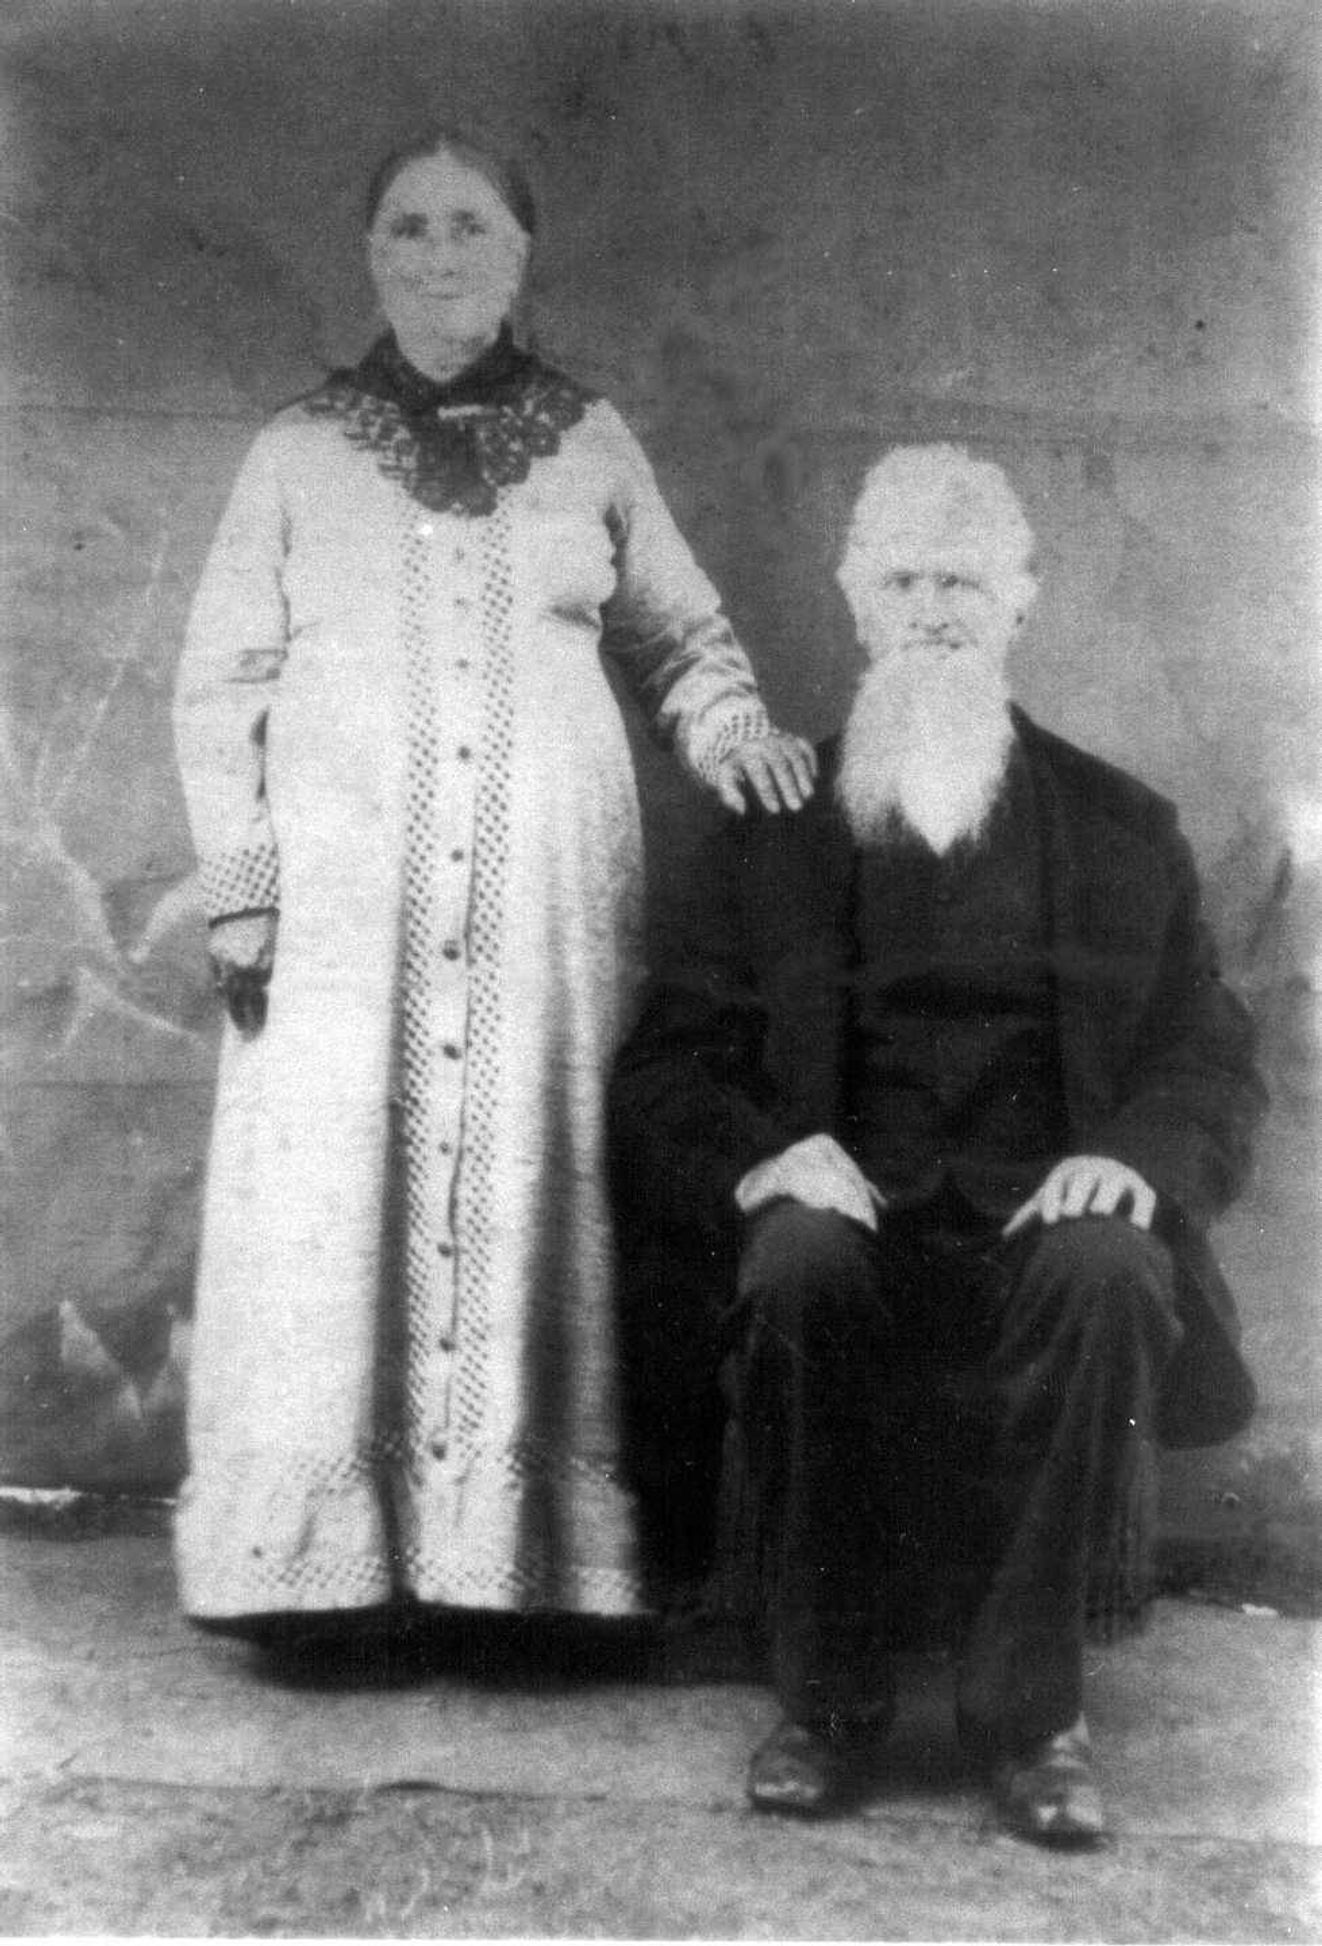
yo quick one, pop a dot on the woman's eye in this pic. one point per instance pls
(408, 226)
(467, 225)
(949, 582)
(902, 583)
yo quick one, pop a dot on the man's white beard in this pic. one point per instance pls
(927, 743)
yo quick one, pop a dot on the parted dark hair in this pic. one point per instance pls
(502, 172)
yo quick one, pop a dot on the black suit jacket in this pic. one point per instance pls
(742, 1041)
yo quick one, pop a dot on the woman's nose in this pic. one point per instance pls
(440, 246)
(441, 249)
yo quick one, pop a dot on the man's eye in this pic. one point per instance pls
(902, 583)
(468, 225)
(408, 226)
(947, 583)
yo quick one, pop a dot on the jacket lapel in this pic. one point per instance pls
(804, 870)
(1105, 913)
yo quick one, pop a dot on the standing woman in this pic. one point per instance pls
(415, 812)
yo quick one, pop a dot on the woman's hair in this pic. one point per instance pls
(505, 175)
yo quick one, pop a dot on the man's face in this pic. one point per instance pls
(928, 733)
(935, 607)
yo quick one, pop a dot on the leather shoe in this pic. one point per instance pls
(1050, 1794)
(806, 1772)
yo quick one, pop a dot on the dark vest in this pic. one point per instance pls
(953, 1066)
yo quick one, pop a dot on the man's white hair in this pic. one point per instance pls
(938, 506)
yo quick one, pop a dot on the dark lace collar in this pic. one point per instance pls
(387, 374)
(453, 445)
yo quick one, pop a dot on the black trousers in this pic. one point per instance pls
(879, 1377)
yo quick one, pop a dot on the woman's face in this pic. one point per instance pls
(446, 254)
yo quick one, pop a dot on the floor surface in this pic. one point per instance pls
(156, 1781)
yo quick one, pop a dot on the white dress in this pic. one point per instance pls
(394, 720)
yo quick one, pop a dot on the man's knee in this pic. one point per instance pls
(1105, 1274)
(802, 1265)
(1101, 1250)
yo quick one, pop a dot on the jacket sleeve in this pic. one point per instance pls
(1186, 1111)
(665, 625)
(234, 652)
(692, 1107)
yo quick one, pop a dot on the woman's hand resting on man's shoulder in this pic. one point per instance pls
(777, 771)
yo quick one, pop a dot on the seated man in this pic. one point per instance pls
(945, 1069)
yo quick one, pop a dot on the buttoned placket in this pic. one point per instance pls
(454, 626)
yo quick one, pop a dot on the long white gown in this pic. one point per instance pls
(395, 719)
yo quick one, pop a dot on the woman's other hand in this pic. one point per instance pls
(242, 953)
(779, 771)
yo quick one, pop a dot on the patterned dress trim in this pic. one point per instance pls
(243, 879)
(453, 447)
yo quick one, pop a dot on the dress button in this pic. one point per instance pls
(451, 1051)
(445, 1249)
(445, 1148)
(457, 855)
(438, 1449)
(464, 753)
(425, 529)
(450, 950)
(463, 663)
(445, 1343)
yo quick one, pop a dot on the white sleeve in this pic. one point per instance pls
(666, 625)
(233, 655)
